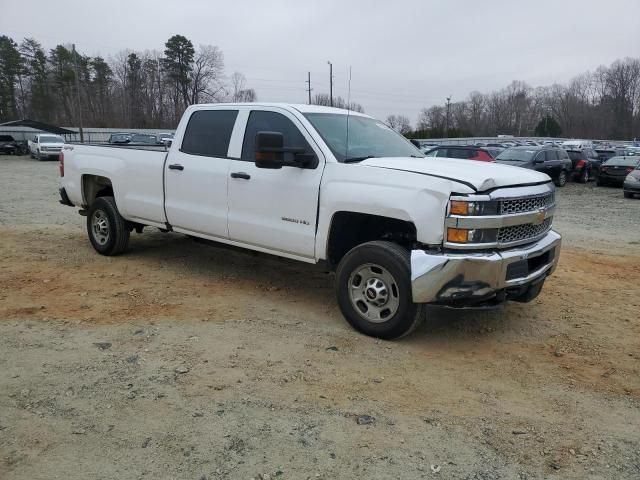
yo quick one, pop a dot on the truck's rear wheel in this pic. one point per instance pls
(107, 229)
(373, 286)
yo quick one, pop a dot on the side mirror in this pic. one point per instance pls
(270, 153)
(269, 150)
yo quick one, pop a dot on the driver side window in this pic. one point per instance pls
(262, 121)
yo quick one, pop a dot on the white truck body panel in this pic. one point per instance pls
(287, 211)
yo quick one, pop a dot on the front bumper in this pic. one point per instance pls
(461, 279)
(633, 187)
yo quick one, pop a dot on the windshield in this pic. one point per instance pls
(622, 162)
(367, 137)
(51, 139)
(517, 155)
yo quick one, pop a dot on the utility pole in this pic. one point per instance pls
(330, 83)
(79, 107)
(446, 132)
(309, 89)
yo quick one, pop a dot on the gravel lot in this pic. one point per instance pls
(179, 360)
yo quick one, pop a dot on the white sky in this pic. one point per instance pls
(405, 54)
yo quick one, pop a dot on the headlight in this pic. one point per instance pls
(463, 235)
(467, 208)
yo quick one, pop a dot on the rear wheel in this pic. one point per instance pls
(107, 230)
(373, 286)
(561, 179)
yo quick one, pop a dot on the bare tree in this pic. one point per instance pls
(399, 123)
(206, 75)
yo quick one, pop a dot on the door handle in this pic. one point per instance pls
(244, 176)
(176, 166)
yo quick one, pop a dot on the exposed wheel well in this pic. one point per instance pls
(94, 186)
(349, 229)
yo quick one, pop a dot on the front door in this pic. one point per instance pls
(196, 175)
(275, 209)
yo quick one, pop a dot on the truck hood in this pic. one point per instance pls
(480, 176)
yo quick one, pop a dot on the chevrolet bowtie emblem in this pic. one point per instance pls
(540, 217)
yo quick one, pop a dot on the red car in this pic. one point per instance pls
(482, 154)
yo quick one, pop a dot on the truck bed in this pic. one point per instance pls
(136, 173)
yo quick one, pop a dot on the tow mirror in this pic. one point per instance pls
(270, 153)
(269, 150)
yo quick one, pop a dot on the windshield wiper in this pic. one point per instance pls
(357, 159)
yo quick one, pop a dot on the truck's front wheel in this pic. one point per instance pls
(373, 285)
(107, 229)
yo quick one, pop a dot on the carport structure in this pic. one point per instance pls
(28, 127)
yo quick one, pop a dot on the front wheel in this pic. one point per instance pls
(107, 230)
(373, 286)
(561, 180)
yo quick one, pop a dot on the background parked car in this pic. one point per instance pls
(45, 146)
(482, 154)
(614, 171)
(119, 138)
(553, 161)
(605, 153)
(145, 138)
(8, 145)
(631, 184)
(165, 137)
(586, 164)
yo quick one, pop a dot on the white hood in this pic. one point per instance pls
(482, 175)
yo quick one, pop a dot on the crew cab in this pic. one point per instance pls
(45, 146)
(329, 187)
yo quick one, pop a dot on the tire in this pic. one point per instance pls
(31, 154)
(107, 230)
(584, 176)
(628, 194)
(600, 182)
(561, 179)
(384, 307)
(38, 156)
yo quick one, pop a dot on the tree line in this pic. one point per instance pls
(148, 89)
(604, 104)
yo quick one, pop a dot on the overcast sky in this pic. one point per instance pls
(404, 54)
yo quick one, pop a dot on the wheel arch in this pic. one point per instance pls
(94, 186)
(349, 229)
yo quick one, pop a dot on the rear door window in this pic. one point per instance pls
(208, 133)
(551, 155)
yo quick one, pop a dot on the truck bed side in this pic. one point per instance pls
(135, 174)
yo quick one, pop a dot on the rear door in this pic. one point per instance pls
(552, 163)
(196, 174)
(275, 209)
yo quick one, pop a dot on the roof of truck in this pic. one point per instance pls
(301, 107)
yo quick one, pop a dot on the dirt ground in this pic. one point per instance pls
(180, 360)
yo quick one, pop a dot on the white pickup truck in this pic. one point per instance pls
(45, 146)
(325, 186)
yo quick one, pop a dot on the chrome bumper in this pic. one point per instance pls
(453, 277)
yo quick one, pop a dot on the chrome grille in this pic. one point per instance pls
(526, 204)
(519, 233)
